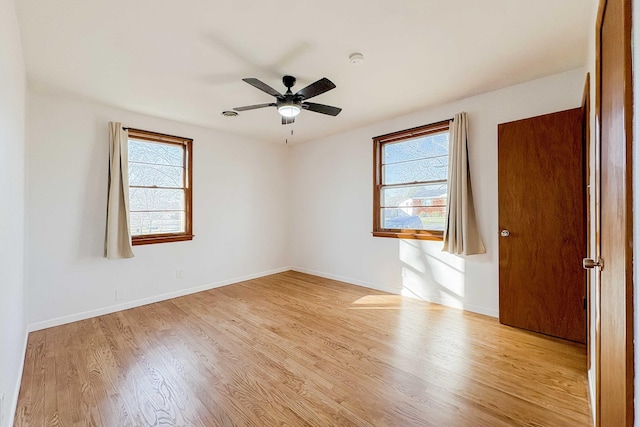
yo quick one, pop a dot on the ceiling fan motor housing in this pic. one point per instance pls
(289, 99)
(288, 81)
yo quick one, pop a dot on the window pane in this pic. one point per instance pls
(155, 152)
(415, 195)
(157, 223)
(154, 199)
(413, 218)
(418, 148)
(431, 169)
(158, 175)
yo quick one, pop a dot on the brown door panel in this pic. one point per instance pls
(541, 205)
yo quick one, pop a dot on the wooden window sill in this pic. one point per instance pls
(148, 240)
(431, 235)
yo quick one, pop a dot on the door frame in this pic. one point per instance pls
(597, 140)
(588, 197)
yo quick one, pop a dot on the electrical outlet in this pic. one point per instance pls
(179, 271)
(119, 295)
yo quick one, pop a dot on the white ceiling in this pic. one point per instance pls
(184, 60)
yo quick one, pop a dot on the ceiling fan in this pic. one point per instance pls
(289, 105)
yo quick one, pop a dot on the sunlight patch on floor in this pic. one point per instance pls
(391, 302)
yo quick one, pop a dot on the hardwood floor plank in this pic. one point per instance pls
(294, 349)
(31, 398)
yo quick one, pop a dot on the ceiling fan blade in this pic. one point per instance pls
(314, 89)
(263, 87)
(253, 107)
(288, 120)
(321, 108)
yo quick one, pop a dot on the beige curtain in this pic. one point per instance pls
(461, 234)
(118, 236)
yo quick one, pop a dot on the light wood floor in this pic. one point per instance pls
(293, 349)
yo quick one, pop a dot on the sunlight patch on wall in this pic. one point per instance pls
(428, 273)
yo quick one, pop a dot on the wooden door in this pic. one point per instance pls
(541, 208)
(614, 283)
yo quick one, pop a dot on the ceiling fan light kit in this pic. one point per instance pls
(289, 104)
(289, 110)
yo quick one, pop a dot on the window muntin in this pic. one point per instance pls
(410, 188)
(159, 187)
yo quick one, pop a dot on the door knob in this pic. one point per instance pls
(505, 233)
(588, 263)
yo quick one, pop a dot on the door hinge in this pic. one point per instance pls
(588, 263)
(584, 303)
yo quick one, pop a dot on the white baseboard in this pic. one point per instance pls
(592, 392)
(144, 301)
(349, 280)
(468, 307)
(16, 392)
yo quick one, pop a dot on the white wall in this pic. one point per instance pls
(12, 148)
(239, 190)
(332, 201)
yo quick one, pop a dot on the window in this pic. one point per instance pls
(159, 187)
(410, 182)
